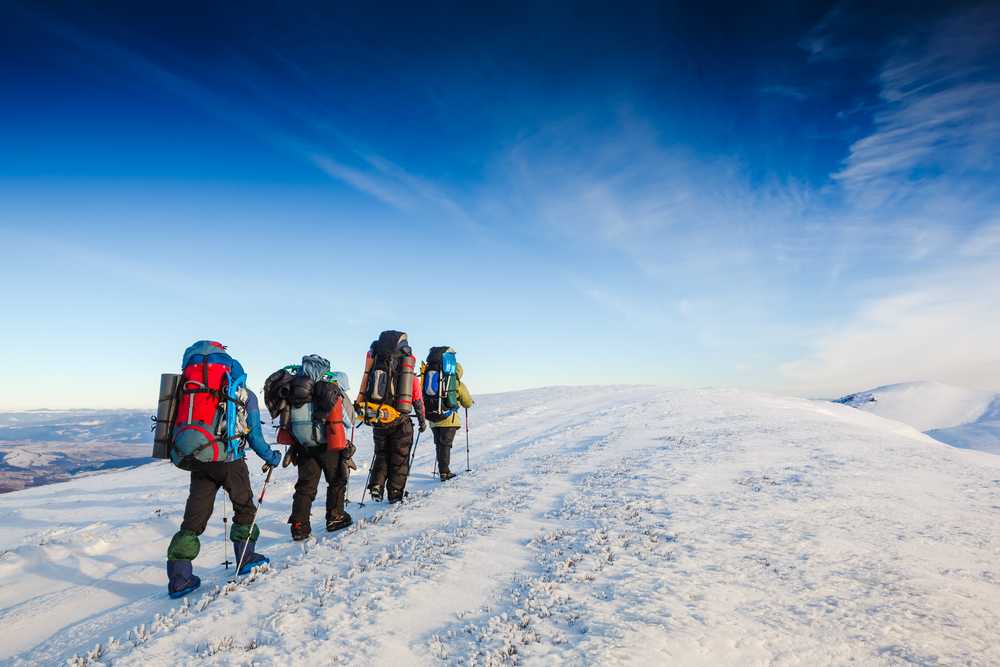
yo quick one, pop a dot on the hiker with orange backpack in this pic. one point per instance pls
(389, 394)
(310, 401)
(214, 418)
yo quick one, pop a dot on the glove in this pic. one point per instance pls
(423, 425)
(274, 460)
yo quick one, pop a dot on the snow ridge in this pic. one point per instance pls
(966, 418)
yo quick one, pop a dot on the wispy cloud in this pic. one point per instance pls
(985, 242)
(944, 326)
(925, 175)
(939, 117)
(785, 90)
(292, 132)
(624, 188)
(824, 42)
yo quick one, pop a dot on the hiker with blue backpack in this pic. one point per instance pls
(444, 393)
(206, 418)
(313, 410)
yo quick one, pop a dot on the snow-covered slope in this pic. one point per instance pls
(600, 526)
(982, 434)
(967, 418)
(923, 405)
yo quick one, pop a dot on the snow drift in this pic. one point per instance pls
(961, 417)
(600, 526)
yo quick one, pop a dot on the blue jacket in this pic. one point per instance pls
(256, 437)
(215, 353)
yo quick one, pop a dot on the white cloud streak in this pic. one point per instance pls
(361, 169)
(940, 117)
(945, 327)
(928, 170)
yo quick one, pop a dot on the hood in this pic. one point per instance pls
(203, 347)
(458, 370)
(315, 366)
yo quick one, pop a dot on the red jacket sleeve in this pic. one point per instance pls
(418, 397)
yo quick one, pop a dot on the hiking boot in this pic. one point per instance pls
(395, 496)
(181, 580)
(251, 559)
(445, 476)
(301, 530)
(376, 492)
(338, 522)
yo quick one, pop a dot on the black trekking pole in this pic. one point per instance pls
(347, 484)
(435, 472)
(260, 503)
(468, 460)
(368, 482)
(413, 454)
(225, 532)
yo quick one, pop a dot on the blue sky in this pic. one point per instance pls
(799, 198)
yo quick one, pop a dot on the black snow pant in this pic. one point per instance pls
(206, 478)
(444, 436)
(312, 462)
(392, 457)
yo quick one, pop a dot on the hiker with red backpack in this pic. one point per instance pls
(205, 430)
(444, 393)
(390, 393)
(311, 405)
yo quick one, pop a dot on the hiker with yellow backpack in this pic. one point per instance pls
(389, 395)
(444, 393)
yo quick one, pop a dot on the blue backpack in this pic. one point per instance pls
(440, 386)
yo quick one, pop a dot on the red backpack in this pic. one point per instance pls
(206, 423)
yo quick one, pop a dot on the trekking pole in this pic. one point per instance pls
(225, 531)
(413, 454)
(260, 503)
(347, 484)
(368, 482)
(468, 460)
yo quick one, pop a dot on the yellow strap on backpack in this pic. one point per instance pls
(378, 413)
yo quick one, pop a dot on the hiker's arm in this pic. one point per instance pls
(418, 404)
(256, 437)
(464, 397)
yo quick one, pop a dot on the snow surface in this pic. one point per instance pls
(28, 458)
(967, 418)
(600, 526)
(982, 434)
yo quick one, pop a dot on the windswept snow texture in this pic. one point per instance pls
(632, 526)
(961, 417)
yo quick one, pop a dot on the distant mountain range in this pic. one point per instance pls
(45, 446)
(966, 418)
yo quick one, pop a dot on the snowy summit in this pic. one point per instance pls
(636, 526)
